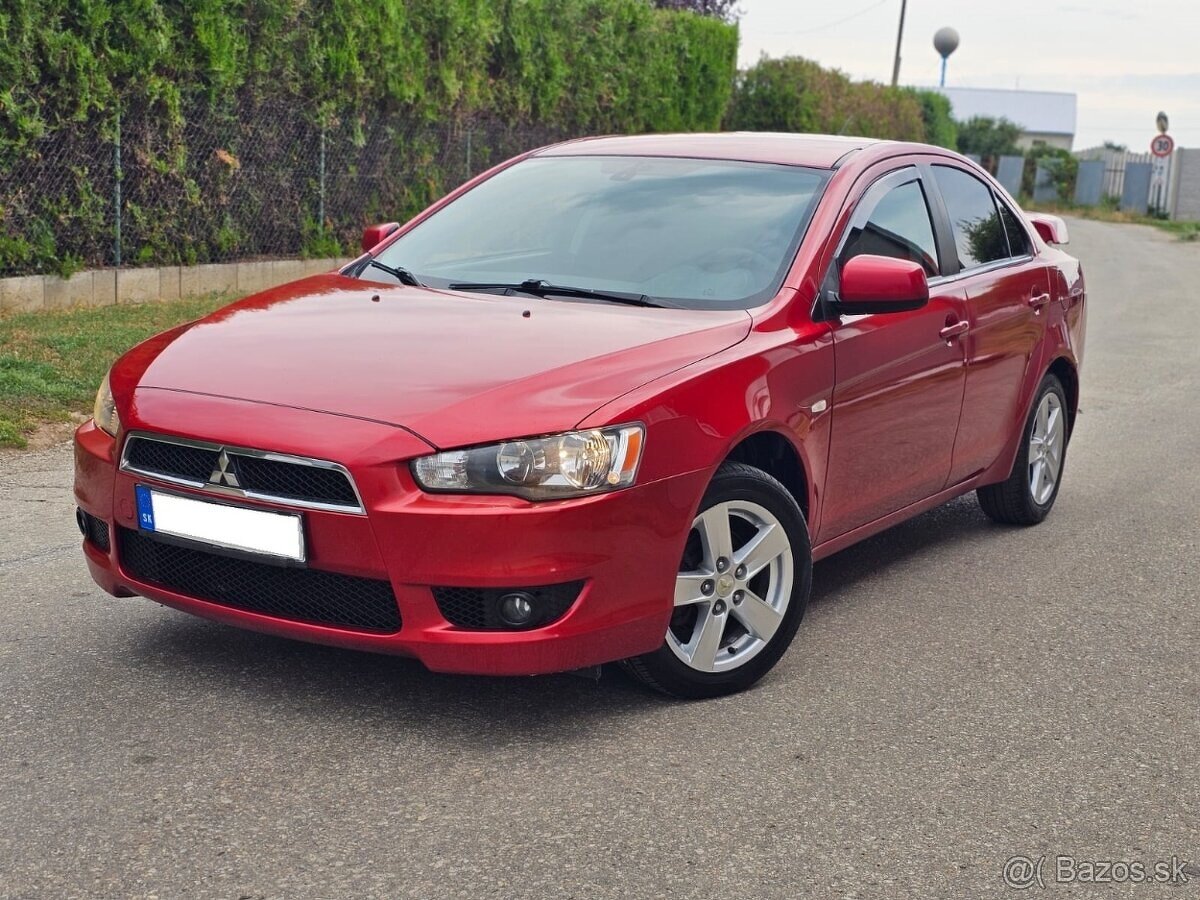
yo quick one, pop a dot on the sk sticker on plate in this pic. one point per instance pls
(145, 508)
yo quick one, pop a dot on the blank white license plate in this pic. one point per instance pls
(222, 526)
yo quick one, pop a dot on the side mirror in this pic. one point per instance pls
(1050, 229)
(881, 284)
(374, 234)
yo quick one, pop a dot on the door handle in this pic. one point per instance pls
(1037, 301)
(954, 330)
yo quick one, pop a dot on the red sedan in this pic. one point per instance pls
(607, 401)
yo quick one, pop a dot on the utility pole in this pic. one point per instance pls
(899, 38)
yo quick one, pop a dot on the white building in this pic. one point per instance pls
(1045, 117)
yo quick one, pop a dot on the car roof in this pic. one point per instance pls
(821, 151)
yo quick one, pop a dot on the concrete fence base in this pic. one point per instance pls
(105, 287)
(1187, 186)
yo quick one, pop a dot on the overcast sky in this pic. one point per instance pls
(1125, 59)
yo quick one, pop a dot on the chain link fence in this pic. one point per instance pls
(266, 180)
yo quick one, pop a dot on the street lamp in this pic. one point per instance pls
(945, 42)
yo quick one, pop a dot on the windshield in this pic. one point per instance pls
(698, 233)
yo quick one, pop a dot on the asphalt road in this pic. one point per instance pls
(959, 693)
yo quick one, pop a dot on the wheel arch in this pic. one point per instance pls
(1066, 372)
(1064, 368)
(774, 453)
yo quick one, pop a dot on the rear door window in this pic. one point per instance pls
(1018, 238)
(979, 233)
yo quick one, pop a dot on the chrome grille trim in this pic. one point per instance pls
(358, 508)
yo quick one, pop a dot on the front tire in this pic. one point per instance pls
(741, 592)
(1027, 495)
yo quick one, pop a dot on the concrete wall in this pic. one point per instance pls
(1010, 171)
(1028, 139)
(1089, 182)
(105, 287)
(1135, 193)
(1186, 186)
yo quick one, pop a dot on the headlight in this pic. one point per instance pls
(105, 411)
(574, 464)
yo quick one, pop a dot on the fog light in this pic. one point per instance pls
(516, 609)
(81, 521)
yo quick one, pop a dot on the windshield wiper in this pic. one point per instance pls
(402, 275)
(539, 287)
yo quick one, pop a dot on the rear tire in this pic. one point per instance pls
(742, 589)
(1029, 492)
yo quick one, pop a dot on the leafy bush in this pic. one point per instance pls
(797, 95)
(988, 138)
(940, 127)
(223, 104)
(565, 62)
(722, 9)
(1061, 165)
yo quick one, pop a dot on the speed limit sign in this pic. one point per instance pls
(1162, 145)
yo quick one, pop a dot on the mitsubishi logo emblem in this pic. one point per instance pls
(222, 475)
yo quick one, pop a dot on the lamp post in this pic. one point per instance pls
(945, 42)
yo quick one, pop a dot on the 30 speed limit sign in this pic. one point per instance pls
(1163, 145)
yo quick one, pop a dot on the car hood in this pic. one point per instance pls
(455, 368)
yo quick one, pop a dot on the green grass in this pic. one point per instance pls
(1184, 231)
(52, 362)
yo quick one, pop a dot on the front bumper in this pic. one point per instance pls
(624, 546)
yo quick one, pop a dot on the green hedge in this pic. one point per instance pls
(191, 77)
(794, 94)
(577, 63)
(1061, 165)
(940, 127)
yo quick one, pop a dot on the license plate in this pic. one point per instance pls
(220, 525)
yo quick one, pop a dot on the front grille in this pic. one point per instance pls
(293, 482)
(299, 481)
(172, 460)
(95, 530)
(479, 608)
(305, 595)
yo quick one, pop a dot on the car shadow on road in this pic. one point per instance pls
(940, 530)
(395, 693)
(399, 693)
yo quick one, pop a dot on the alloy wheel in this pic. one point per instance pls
(733, 587)
(1047, 438)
